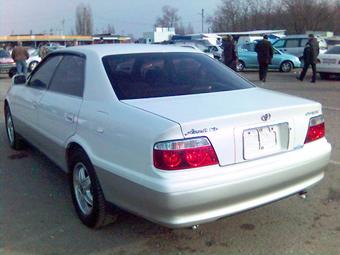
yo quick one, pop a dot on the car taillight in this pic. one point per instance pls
(316, 129)
(184, 154)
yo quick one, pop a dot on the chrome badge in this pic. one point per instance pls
(266, 117)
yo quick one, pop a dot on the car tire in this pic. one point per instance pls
(14, 139)
(240, 66)
(87, 195)
(12, 72)
(286, 66)
(32, 65)
(324, 76)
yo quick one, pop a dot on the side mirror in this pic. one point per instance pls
(19, 79)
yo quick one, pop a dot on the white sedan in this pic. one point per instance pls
(165, 132)
(329, 62)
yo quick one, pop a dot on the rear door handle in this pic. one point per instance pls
(69, 117)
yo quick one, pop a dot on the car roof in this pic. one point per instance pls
(115, 49)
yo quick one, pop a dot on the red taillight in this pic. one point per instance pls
(316, 129)
(184, 154)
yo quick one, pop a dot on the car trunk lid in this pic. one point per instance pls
(242, 124)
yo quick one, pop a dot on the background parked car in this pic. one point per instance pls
(247, 58)
(329, 62)
(294, 44)
(6, 62)
(33, 60)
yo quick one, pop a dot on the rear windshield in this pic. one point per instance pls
(334, 50)
(148, 75)
(4, 54)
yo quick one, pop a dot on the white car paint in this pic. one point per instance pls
(329, 62)
(119, 136)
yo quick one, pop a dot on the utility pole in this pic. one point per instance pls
(202, 15)
(63, 25)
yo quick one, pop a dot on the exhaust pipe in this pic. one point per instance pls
(195, 227)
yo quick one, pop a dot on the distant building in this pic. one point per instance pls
(110, 38)
(160, 34)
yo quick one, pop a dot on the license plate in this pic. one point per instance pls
(267, 140)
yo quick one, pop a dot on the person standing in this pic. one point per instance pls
(20, 55)
(265, 52)
(310, 55)
(229, 52)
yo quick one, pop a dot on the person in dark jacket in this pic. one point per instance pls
(20, 55)
(265, 52)
(310, 55)
(229, 52)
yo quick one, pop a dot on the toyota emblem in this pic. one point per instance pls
(266, 117)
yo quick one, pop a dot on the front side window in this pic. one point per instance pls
(42, 76)
(148, 75)
(69, 76)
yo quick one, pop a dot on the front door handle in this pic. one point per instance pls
(69, 117)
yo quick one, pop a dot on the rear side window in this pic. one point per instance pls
(303, 42)
(148, 75)
(42, 76)
(69, 76)
(292, 43)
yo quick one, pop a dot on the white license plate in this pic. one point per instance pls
(267, 140)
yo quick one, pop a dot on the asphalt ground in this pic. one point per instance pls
(37, 216)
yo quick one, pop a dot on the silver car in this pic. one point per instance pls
(165, 132)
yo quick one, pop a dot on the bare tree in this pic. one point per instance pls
(110, 29)
(84, 20)
(296, 16)
(189, 29)
(169, 18)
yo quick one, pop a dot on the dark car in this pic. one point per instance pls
(7, 64)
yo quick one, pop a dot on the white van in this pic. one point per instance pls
(295, 44)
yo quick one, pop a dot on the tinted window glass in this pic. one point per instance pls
(334, 50)
(69, 77)
(279, 44)
(303, 42)
(42, 76)
(169, 74)
(292, 43)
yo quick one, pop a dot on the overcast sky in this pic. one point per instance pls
(127, 16)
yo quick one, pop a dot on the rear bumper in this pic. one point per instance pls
(236, 188)
(4, 68)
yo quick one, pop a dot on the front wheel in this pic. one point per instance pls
(32, 65)
(286, 67)
(13, 138)
(240, 66)
(87, 195)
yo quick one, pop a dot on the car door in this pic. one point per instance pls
(251, 55)
(60, 105)
(28, 97)
(276, 60)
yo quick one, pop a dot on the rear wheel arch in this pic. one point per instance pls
(71, 149)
